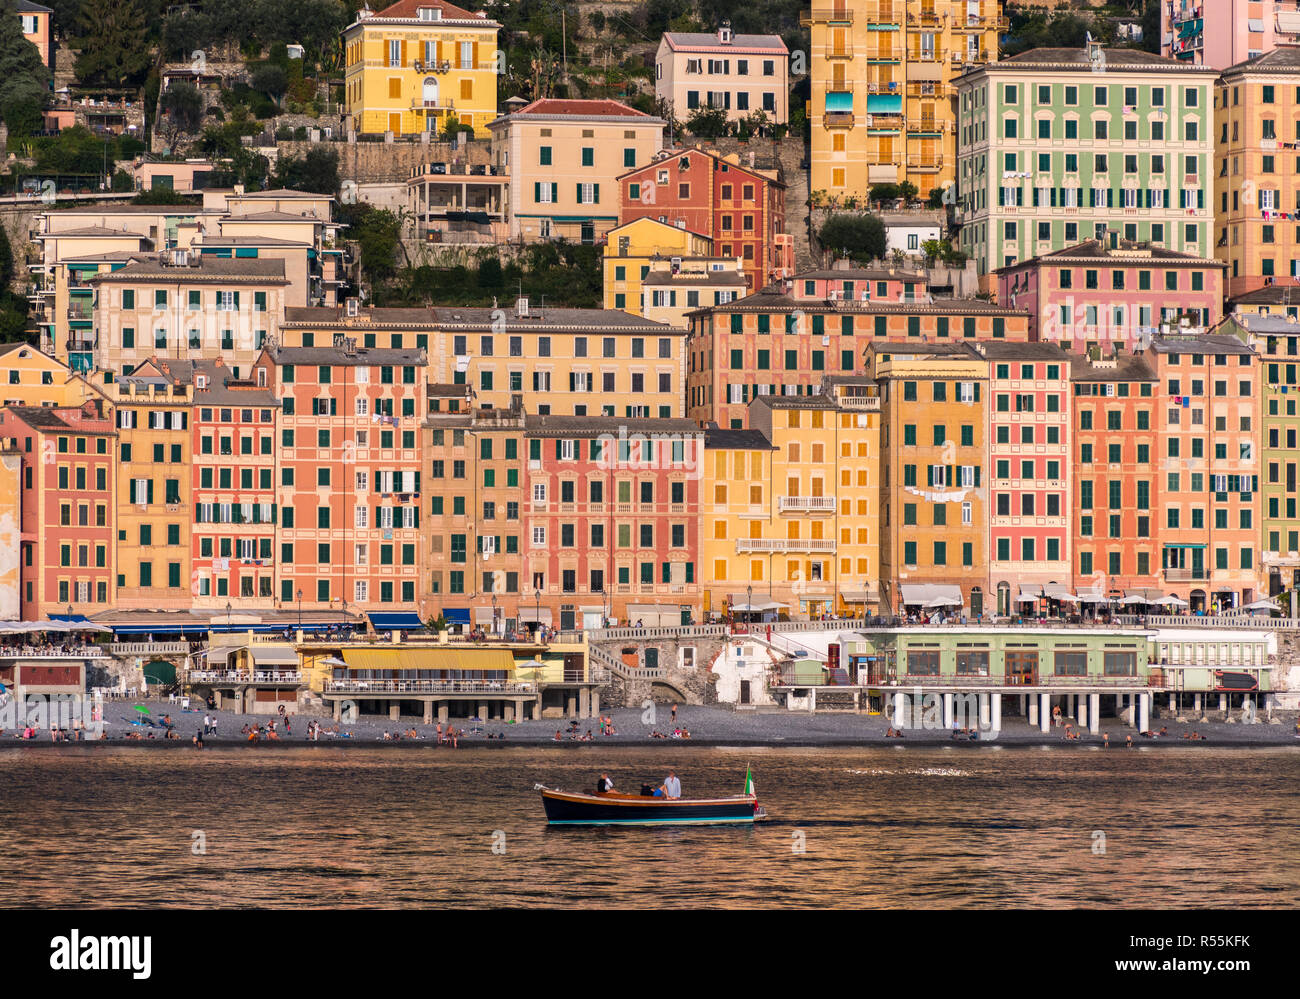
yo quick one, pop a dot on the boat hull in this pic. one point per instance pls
(575, 809)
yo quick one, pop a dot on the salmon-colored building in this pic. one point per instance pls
(612, 522)
(349, 490)
(69, 518)
(1115, 512)
(1210, 499)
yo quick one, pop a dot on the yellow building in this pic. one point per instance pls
(669, 291)
(883, 106)
(29, 377)
(564, 159)
(416, 64)
(636, 249)
(1255, 103)
(154, 507)
(561, 362)
(789, 508)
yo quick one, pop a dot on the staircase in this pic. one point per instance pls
(600, 659)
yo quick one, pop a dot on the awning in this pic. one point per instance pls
(739, 602)
(540, 616)
(432, 658)
(839, 101)
(925, 594)
(1148, 593)
(591, 609)
(1093, 598)
(396, 622)
(1049, 591)
(483, 615)
(29, 627)
(884, 104)
(1269, 605)
(867, 596)
(456, 615)
(274, 655)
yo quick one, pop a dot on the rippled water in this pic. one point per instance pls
(880, 827)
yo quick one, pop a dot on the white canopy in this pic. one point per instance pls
(29, 627)
(931, 594)
(1050, 591)
(1093, 598)
(1268, 605)
(1135, 599)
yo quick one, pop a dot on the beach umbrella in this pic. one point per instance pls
(1269, 605)
(142, 709)
(1128, 601)
(1171, 601)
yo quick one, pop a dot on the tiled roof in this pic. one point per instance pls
(1208, 344)
(209, 268)
(705, 40)
(1129, 368)
(582, 108)
(735, 440)
(1125, 252)
(336, 355)
(409, 8)
(1283, 59)
(1273, 294)
(1027, 351)
(560, 426)
(1114, 59)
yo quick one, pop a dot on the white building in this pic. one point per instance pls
(740, 73)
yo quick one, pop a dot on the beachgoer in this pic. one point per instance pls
(674, 718)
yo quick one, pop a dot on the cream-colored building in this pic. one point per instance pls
(742, 74)
(184, 305)
(564, 158)
(883, 106)
(669, 291)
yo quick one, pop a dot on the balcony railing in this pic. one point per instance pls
(807, 504)
(744, 545)
(265, 677)
(427, 687)
(1185, 575)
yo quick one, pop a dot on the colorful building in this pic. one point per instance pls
(1209, 393)
(1112, 294)
(1255, 106)
(1271, 300)
(1029, 468)
(38, 28)
(475, 517)
(559, 154)
(418, 65)
(1115, 513)
(349, 475)
(1061, 145)
(741, 209)
(153, 406)
(934, 532)
(612, 519)
(69, 538)
(1275, 339)
(883, 72)
(186, 306)
(29, 377)
(236, 449)
(669, 292)
(786, 338)
(742, 74)
(1222, 33)
(634, 248)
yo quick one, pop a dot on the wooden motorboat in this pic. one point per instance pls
(619, 808)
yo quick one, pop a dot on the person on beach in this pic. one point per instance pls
(1105, 740)
(674, 718)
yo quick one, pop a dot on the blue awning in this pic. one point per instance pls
(396, 622)
(77, 618)
(456, 615)
(839, 101)
(884, 103)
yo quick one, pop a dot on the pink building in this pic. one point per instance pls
(856, 284)
(1107, 296)
(1029, 452)
(1222, 33)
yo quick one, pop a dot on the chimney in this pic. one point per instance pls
(521, 307)
(724, 33)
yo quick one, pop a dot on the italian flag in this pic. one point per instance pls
(749, 781)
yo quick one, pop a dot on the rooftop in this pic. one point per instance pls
(566, 426)
(1094, 250)
(1205, 344)
(1283, 59)
(202, 268)
(362, 356)
(708, 40)
(716, 437)
(1113, 59)
(998, 350)
(1126, 368)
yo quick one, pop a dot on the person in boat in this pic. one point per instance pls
(672, 787)
(604, 784)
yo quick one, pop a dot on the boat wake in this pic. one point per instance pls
(915, 772)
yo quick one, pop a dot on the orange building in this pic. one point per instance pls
(934, 509)
(1116, 514)
(69, 518)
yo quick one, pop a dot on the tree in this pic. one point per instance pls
(859, 237)
(708, 123)
(378, 232)
(271, 80)
(111, 43)
(23, 80)
(163, 196)
(317, 172)
(182, 108)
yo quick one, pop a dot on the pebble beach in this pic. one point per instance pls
(707, 725)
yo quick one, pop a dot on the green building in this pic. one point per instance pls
(1056, 146)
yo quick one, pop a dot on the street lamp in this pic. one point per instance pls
(343, 602)
(229, 620)
(494, 615)
(300, 608)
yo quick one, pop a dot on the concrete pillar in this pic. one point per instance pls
(812, 700)
(1094, 713)
(900, 710)
(394, 710)
(1033, 710)
(338, 709)
(984, 712)
(1024, 698)
(584, 703)
(995, 712)
(442, 712)
(1173, 703)
(1081, 713)
(857, 701)
(1044, 712)
(1196, 704)
(1223, 704)
(428, 710)
(595, 703)
(1144, 713)
(570, 706)
(482, 711)
(947, 711)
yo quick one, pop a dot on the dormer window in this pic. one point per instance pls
(429, 13)
(724, 34)
(201, 381)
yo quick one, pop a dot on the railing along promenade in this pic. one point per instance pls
(428, 687)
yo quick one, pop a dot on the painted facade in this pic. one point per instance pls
(742, 74)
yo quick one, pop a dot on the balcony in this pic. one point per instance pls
(925, 164)
(827, 15)
(806, 504)
(441, 104)
(1185, 575)
(775, 545)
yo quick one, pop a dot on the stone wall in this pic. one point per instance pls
(18, 221)
(380, 162)
(695, 685)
